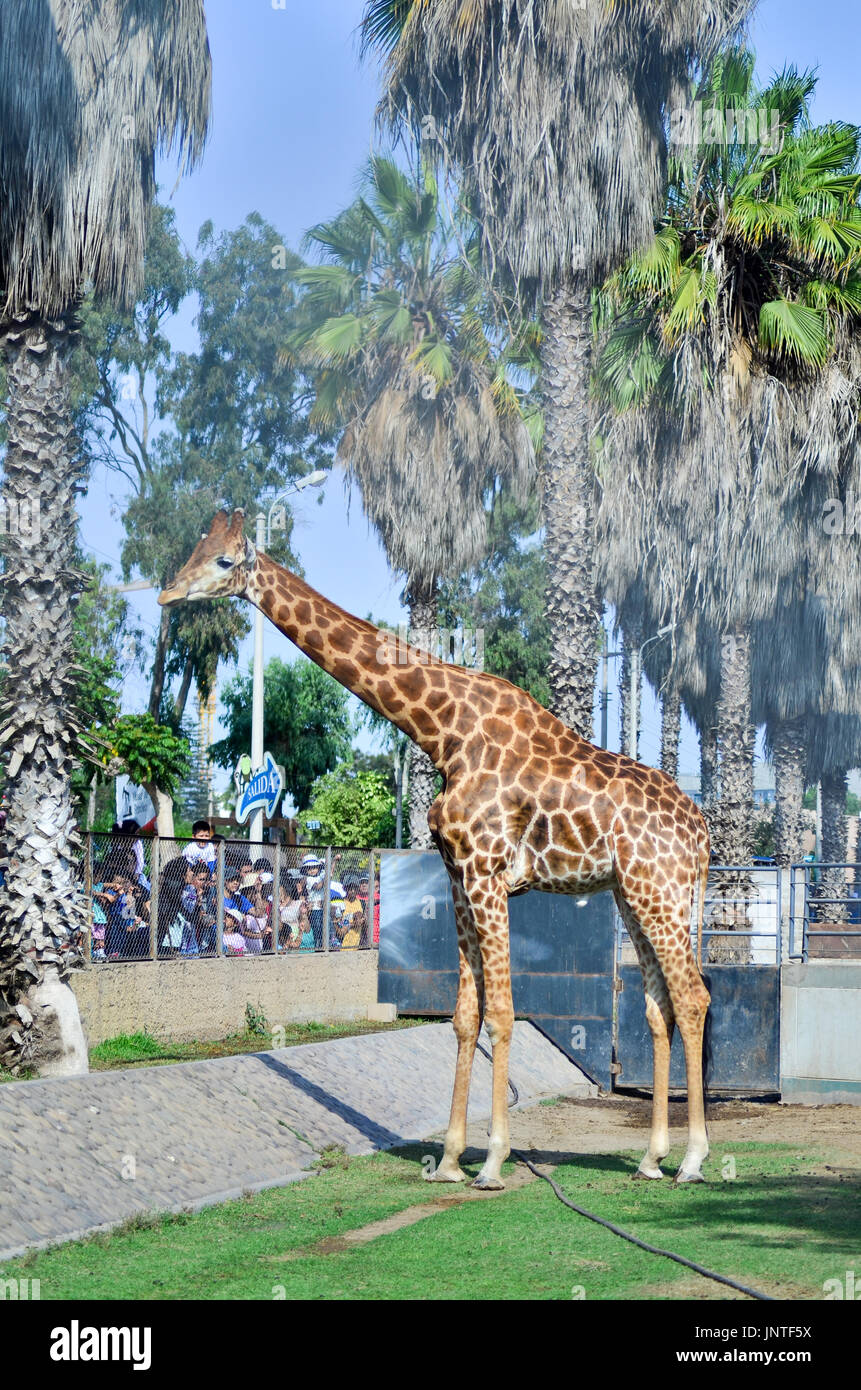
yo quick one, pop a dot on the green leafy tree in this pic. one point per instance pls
(726, 358)
(306, 719)
(154, 757)
(191, 431)
(355, 808)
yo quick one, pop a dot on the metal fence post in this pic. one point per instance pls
(219, 900)
(88, 890)
(154, 874)
(327, 880)
(275, 915)
(372, 893)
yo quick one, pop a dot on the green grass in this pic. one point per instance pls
(126, 1049)
(129, 1048)
(782, 1226)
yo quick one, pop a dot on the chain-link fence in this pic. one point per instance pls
(161, 899)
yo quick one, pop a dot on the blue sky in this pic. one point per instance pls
(293, 122)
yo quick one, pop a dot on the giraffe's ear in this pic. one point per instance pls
(250, 552)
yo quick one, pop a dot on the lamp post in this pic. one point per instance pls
(262, 540)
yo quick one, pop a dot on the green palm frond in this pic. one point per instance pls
(336, 339)
(435, 358)
(657, 270)
(695, 291)
(383, 23)
(794, 331)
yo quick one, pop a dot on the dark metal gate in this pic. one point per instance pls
(562, 957)
(566, 955)
(742, 1043)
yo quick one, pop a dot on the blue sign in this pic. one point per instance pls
(264, 789)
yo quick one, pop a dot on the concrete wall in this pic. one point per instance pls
(820, 1046)
(205, 999)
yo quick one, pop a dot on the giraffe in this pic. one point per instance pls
(526, 803)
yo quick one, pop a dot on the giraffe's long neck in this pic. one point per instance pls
(424, 698)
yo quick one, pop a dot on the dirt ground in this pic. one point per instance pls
(563, 1128)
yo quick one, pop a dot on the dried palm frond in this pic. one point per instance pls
(88, 93)
(552, 112)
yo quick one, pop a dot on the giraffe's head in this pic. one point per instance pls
(219, 566)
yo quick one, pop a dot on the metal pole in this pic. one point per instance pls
(255, 832)
(633, 701)
(604, 692)
(154, 873)
(88, 890)
(275, 915)
(372, 893)
(327, 879)
(219, 900)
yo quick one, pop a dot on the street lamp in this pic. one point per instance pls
(262, 540)
(636, 667)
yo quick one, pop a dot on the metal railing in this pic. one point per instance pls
(824, 924)
(151, 898)
(742, 918)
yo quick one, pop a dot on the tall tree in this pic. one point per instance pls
(224, 422)
(746, 291)
(399, 337)
(553, 114)
(87, 95)
(307, 720)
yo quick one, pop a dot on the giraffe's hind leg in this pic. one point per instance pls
(666, 926)
(661, 1021)
(468, 1014)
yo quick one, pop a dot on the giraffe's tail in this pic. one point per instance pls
(704, 859)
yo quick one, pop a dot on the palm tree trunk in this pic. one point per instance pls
(41, 908)
(671, 728)
(734, 818)
(708, 771)
(572, 607)
(423, 633)
(789, 758)
(834, 883)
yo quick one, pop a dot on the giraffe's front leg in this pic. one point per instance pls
(489, 902)
(467, 1023)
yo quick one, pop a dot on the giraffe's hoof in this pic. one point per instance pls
(444, 1174)
(489, 1184)
(682, 1176)
(651, 1174)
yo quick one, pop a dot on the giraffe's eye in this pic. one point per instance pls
(225, 562)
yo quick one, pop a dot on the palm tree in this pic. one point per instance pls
(553, 115)
(728, 327)
(87, 94)
(397, 334)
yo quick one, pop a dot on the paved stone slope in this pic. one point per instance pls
(84, 1154)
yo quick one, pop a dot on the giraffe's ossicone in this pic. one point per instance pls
(526, 803)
